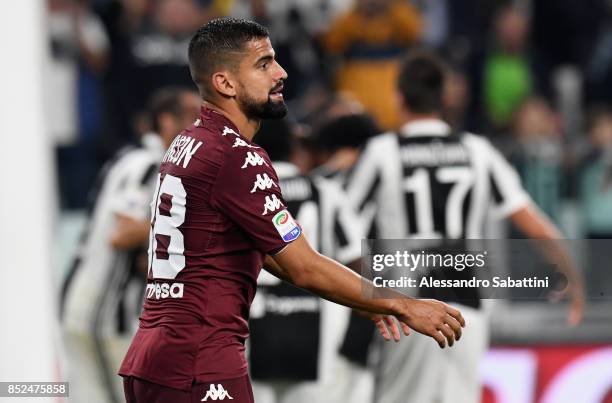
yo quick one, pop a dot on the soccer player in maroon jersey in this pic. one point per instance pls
(218, 217)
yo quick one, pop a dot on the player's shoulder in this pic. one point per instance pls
(379, 146)
(477, 143)
(382, 141)
(131, 159)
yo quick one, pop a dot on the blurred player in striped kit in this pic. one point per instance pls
(296, 336)
(102, 293)
(429, 183)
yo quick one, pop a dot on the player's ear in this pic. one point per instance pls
(401, 101)
(224, 84)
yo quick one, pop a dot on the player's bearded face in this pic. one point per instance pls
(272, 107)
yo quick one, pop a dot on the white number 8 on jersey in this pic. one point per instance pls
(166, 242)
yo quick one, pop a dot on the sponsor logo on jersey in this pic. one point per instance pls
(165, 290)
(286, 226)
(241, 143)
(216, 393)
(265, 304)
(227, 130)
(253, 159)
(272, 204)
(262, 183)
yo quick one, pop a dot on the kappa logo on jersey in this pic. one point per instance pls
(286, 226)
(262, 183)
(241, 143)
(227, 130)
(253, 159)
(165, 290)
(272, 204)
(216, 393)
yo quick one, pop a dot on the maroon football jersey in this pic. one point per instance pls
(217, 210)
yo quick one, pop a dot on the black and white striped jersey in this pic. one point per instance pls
(429, 183)
(426, 182)
(312, 329)
(97, 283)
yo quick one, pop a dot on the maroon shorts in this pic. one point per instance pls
(237, 390)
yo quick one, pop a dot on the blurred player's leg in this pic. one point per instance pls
(351, 383)
(94, 347)
(410, 371)
(264, 392)
(461, 376)
(83, 368)
(431, 374)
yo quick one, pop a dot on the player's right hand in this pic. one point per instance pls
(431, 318)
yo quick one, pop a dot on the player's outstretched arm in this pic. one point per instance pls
(533, 223)
(301, 265)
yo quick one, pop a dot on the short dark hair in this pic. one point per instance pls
(215, 45)
(421, 82)
(166, 100)
(345, 131)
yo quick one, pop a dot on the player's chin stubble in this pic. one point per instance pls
(263, 110)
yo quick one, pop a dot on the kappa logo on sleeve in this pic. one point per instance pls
(262, 183)
(286, 226)
(253, 159)
(272, 204)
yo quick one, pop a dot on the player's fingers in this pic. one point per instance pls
(576, 312)
(439, 338)
(392, 324)
(405, 328)
(448, 333)
(380, 325)
(455, 314)
(455, 326)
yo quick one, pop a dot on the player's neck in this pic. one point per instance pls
(247, 127)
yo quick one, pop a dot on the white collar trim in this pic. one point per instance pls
(425, 127)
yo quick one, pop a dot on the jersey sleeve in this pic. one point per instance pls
(133, 197)
(508, 195)
(249, 195)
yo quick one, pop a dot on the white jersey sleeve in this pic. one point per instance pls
(134, 195)
(507, 192)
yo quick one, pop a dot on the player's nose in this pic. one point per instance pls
(280, 73)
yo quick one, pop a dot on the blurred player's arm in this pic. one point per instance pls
(512, 202)
(306, 268)
(129, 232)
(535, 225)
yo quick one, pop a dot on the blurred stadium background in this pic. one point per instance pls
(535, 76)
